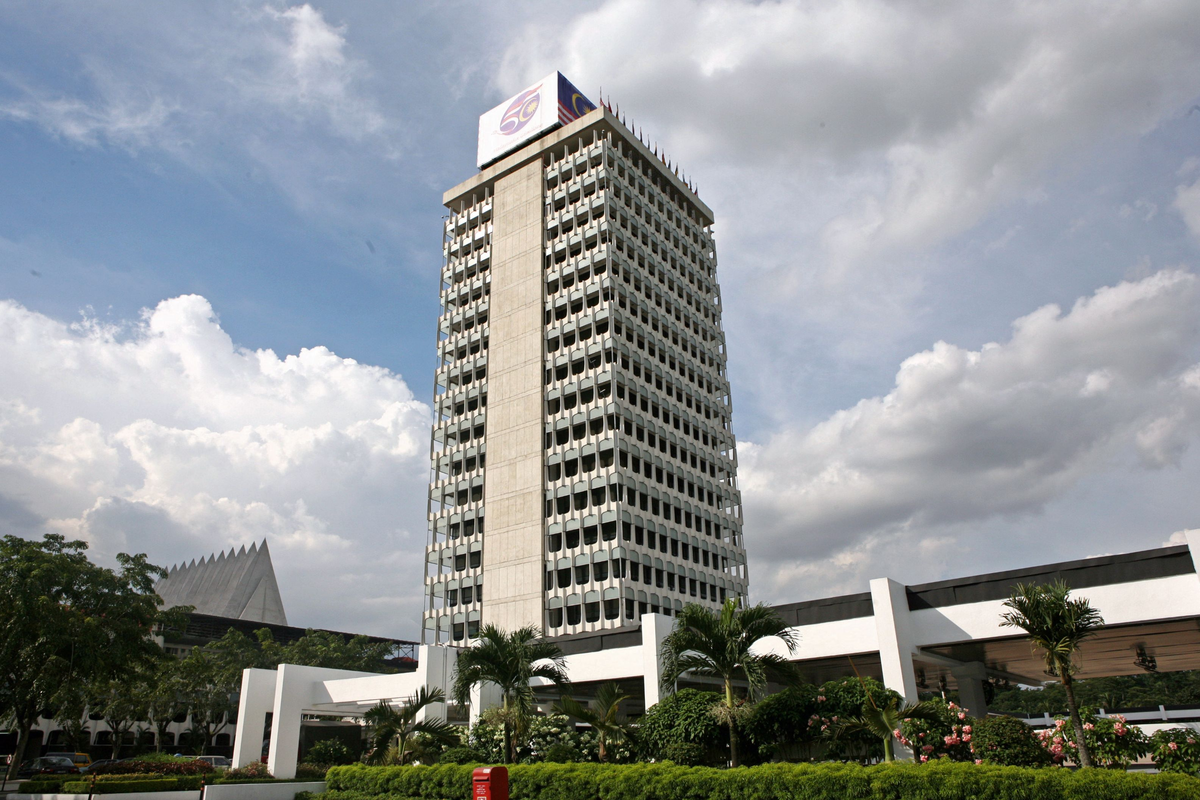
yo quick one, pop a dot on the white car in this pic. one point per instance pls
(218, 762)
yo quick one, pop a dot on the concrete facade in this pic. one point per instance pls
(238, 585)
(584, 469)
(910, 637)
(514, 478)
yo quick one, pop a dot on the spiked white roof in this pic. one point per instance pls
(237, 585)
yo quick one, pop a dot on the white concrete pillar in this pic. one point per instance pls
(293, 691)
(890, 603)
(435, 666)
(970, 677)
(655, 628)
(257, 699)
(483, 697)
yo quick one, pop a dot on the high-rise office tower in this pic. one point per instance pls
(584, 469)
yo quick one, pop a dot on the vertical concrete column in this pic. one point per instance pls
(293, 691)
(257, 699)
(655, 628)
(890, 603)
(970, 677)
(435, 666)
(483, 697)
(514, 494)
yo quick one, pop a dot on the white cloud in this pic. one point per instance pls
(275, 89)
(955, 107)
(163, 436)
(1187, 203)
(967, 436)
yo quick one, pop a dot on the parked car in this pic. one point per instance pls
(80, 760)
(103, 762)
(48, 765)
(219, 762)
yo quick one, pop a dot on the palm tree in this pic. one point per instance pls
(885, 722)
(717, 644)
(1057, 625)
(510, 661)
(393, 729)
(605, 718)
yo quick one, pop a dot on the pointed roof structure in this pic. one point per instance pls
(236, 585)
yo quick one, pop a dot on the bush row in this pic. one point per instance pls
(828, 781)
(124, 784)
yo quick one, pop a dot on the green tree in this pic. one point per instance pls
(394, 730)
(122, 704)
(209, 700)
(1056, 625)
(718, 644)
(66, 621)
(509, 661)
(164, 699)
(605, 716)
(883, 720)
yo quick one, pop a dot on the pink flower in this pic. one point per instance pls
(1172, 745)
(979, 761)
(820, 698)
(962, 715)
(1087, 726)
(966, 728)
(835, 719)
(966, 737)
(924, 759)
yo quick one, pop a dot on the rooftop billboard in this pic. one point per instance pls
(550, 102)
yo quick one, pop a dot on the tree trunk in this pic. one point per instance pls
(1085, 758)
(733, 753)
(603, 749)
(23, 732)
(889, 748)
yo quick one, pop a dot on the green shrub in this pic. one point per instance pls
(839, 700)
(44, 785)
(332, 752)
(1173, 750)
(947, 737)
(683, 717)
(689, 754)
(158, 766)
(1009, 742)
(1111, 742)
(126, 784)
(778, 725)
(253, 770)
(829, 781)
(459, 755)
(312, 772)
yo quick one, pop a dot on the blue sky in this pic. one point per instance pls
(220, 236)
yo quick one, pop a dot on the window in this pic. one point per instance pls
(555, 617)
(574, 615)
(592, 612)
(612, 608)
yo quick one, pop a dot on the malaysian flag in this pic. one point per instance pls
(571, 103)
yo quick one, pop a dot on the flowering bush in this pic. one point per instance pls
(949, 737)
(1009, 742)
(177, 766)
(840, 700)
(542, 733)
(252, 771)
(1176, 750)
(1110, 740)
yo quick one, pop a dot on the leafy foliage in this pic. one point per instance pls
(684, 717)
(842, 699)
(65, 621)
(459, 755)
(831, 781)
(1111, 742)
(1008, 742)
(181, 766)
(510, 661)
(946, 733)
(1057, 625)
(1176, 750)
(718, 645)
(1149, 690)
(394, 730)
(330, 752)
(884, 720)
(780, 722)
(609, 725)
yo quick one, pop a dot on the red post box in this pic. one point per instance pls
(490, 783)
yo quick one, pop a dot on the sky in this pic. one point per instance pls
(957, 243)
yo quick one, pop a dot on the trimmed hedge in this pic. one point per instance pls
(125, 784)
(827, 781)
(44, 785)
